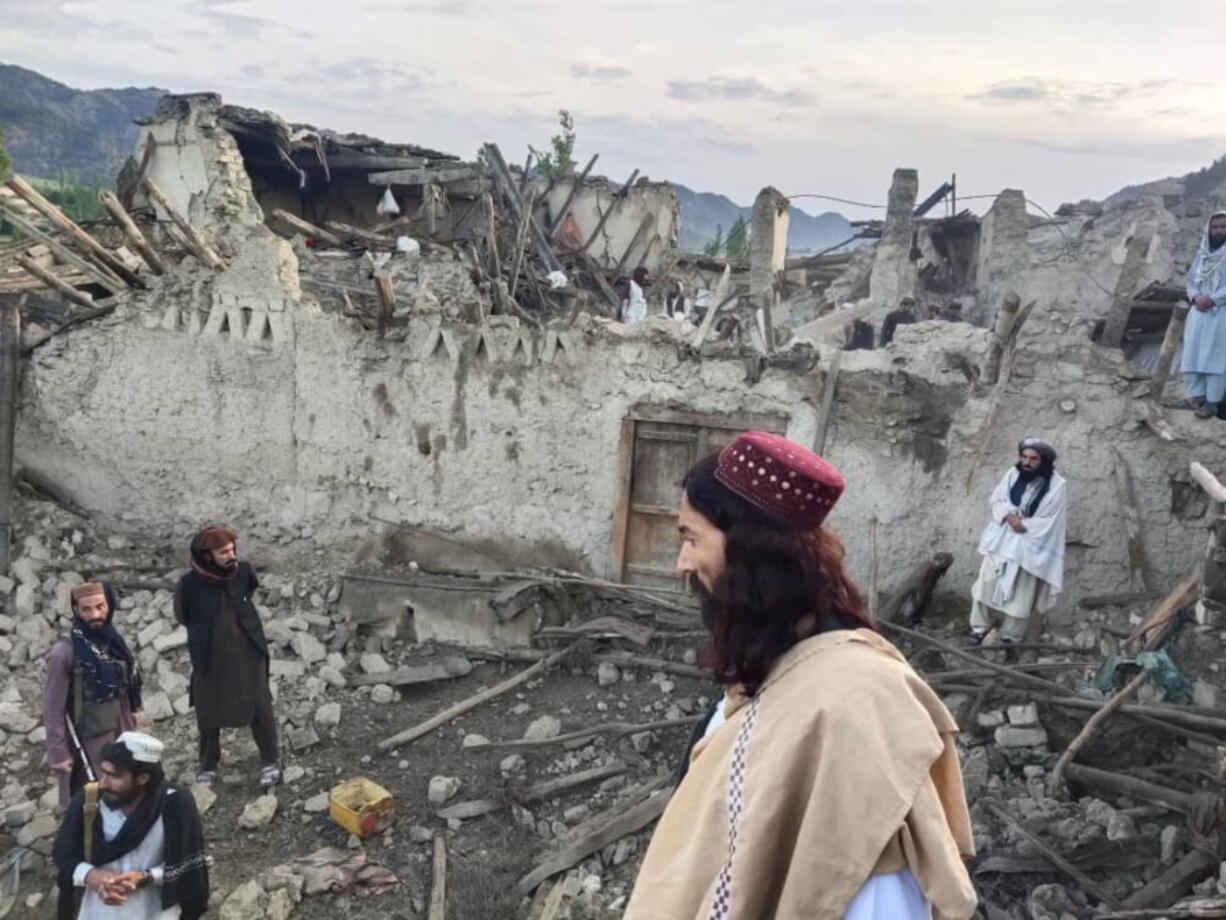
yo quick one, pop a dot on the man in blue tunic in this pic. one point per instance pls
(1204, 337)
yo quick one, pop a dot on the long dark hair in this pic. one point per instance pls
(775, 573)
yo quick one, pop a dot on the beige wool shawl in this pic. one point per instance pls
(841, 768)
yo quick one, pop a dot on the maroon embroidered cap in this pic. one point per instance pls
(780, 477)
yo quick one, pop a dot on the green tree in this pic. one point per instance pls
(77, 199)
(737, 245)
(715, 245)
(559, 160)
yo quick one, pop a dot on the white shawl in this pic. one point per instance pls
(1039, 551)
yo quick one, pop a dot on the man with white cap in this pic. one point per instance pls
(138, 854)
(1022, 546)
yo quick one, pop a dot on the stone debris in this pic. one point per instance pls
(442, 789)
(258, 813)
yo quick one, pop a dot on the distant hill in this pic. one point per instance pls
(702, 213)
(49, 126)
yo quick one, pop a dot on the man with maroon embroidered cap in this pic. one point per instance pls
(827, 783)
(91, 688)
(229, 654)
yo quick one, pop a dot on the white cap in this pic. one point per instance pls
(143, 748)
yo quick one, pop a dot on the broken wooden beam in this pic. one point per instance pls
(103, 276)
(55, 283)
(551, 789)
(438, 880)
(916, 588)
(1094, 723)
(1104, 781)
(615, 729)
(510, 192)
(1005, 318)
(424, 175)
(365, 237)
(1137, 562)
(306, 228)
(608, 827)
(1166, 355)
(132, 232)
(1207, 481)
(829, 380)
(475, 700)
(618, 197)
(1175, 882)
(448, 669)
(575, 185)
(98, 253)
(463, 811)
(1086, 883)
(10, 343)
(645, 225)
(195, 242)
(1154, 627)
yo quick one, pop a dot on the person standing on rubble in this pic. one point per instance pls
(827, 782)
(131, 847)
(229, 654)
(1204, 337)
(91, 688)
(902, 316)
(1022, 546)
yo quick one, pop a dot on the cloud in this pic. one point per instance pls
(426, 7)
(1127, 148)
(737, 89)
(367, 71)
(239, 25)
(600, 73)
(1069, 96)
(672, 136)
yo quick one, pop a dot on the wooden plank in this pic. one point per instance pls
(365, 237)
(306, 228)
(575, 185)
(736, 421)
(95, 251)
(827, 410)
(618, 822)
(474, 701)
(621, 491)
(102, 276)
(438, 880)
(618, 197)
(420, 674)
(132, 232)
(551, 789)
(1170, 344)
(196, 244)
(1137, 564)
(49, 279)
(424, 176)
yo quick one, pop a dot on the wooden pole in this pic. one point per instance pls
(10, 342)
(103, 276)
(412, 734)
(1132, 521)
(506, 185)
(306, 228)
(824, 416)
(92, 248)
(570, 196)
(613, 205)
(1093, 724)
(438, 881)
(1005, 318)
(1170, 342)
(56, 283)
(196, 243)
(132, 232)
(873, 563)
(1207, 481)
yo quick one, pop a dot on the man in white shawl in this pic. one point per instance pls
(1022, 546)
(1204, 337)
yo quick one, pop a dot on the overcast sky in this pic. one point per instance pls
(1064, 100)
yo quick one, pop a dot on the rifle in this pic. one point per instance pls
(79, 748)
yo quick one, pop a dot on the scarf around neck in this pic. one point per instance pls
(103, 656)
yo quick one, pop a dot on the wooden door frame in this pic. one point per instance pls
(627, 437)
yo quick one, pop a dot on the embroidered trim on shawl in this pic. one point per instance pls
(193, 863)
(721, 906)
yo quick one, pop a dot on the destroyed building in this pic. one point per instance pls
(448, 381)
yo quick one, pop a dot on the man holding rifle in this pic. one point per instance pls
(91, 689)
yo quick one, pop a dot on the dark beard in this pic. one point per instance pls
(1026, 475)
(229, 567)
(1216, 241)
(115, 800)
(706, 603)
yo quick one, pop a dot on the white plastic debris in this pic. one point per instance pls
(558, 280)
(387, 204)
(407, 245)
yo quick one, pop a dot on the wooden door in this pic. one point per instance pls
(658, 448)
